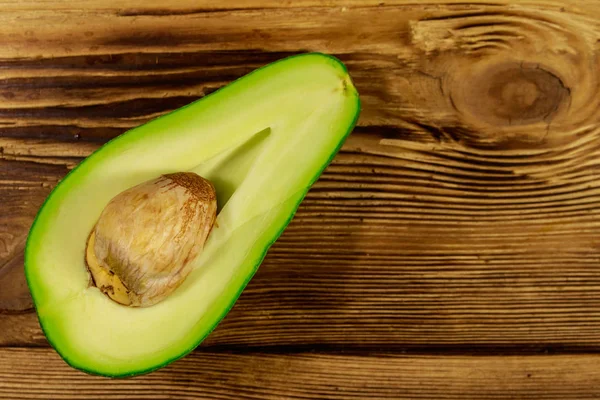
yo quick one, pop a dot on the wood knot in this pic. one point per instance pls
(509, 79)
(512, 94)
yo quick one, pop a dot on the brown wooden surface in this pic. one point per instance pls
(210, 375)
(456, 233)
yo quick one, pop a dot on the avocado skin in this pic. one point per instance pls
(315, 177)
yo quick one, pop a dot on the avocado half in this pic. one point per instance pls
(262, 140)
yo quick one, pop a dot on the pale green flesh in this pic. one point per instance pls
(262, 141)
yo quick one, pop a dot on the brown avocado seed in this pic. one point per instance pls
(140, 249)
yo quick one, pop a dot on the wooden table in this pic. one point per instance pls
(450, 251)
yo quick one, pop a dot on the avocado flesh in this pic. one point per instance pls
(262, 141)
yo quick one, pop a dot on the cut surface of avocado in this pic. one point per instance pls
(261, 140)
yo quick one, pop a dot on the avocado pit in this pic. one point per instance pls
(141, 248)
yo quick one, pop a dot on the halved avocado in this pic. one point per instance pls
(262, 141)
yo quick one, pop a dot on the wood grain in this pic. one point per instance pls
(445, 220)
(40, 374)
(399, 248)
(161, 8)
(460, 218)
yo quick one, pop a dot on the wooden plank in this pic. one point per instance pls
(41, 374)
(162, 8)
(23, 188)
(122, 70)
(393, 247)
(332, 29)
(463, 211)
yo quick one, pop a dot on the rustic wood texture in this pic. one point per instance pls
(462, 216)
(207, 375)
